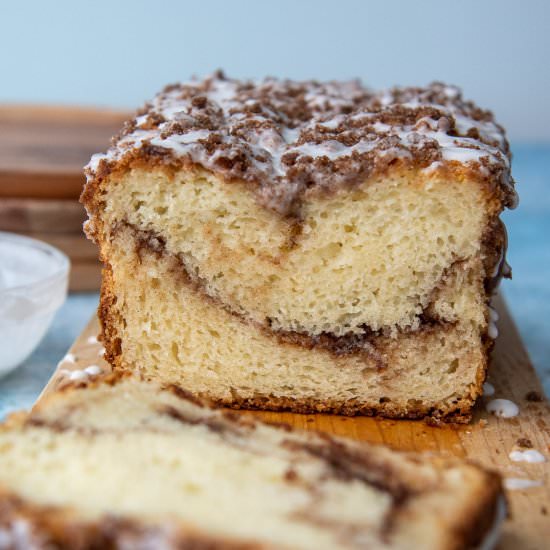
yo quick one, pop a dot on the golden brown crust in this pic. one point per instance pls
(109, 318)
(460, 413)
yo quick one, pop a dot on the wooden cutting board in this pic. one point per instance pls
(41, 216)
(487, 440)
(43, 149)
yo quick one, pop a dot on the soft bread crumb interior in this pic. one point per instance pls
(170, 332)
(365, 257)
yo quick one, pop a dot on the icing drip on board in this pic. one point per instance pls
(503, 408)
(82, 374)
(519, 483)
(531, 456)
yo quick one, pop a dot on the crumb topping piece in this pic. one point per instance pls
(289, 137)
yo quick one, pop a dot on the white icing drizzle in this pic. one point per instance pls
(69, 358)
(93, 370)
(82, 374)
(519, 483)
(504, 408)
(272, 137)
(92, 340)
(77, 375)
(530, 455)
(488, 389)
(101, 352)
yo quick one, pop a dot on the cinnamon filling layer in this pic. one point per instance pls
(349, 344)
(343, 464)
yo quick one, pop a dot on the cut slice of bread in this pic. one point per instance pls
(126, 464)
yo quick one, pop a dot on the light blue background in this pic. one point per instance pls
(119, 53)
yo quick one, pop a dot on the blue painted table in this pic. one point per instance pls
(528, 295)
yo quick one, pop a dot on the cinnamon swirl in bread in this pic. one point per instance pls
(125, 464)
(304, 246)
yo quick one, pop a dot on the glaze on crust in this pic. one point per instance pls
(288, 139)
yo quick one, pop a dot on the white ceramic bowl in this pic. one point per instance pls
(33, 285)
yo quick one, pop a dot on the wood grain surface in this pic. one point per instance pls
(487, 440)
(43, 149)
(85, 276)
(41, 216)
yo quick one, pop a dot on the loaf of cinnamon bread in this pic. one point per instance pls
(124, 464)
(304, 246)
